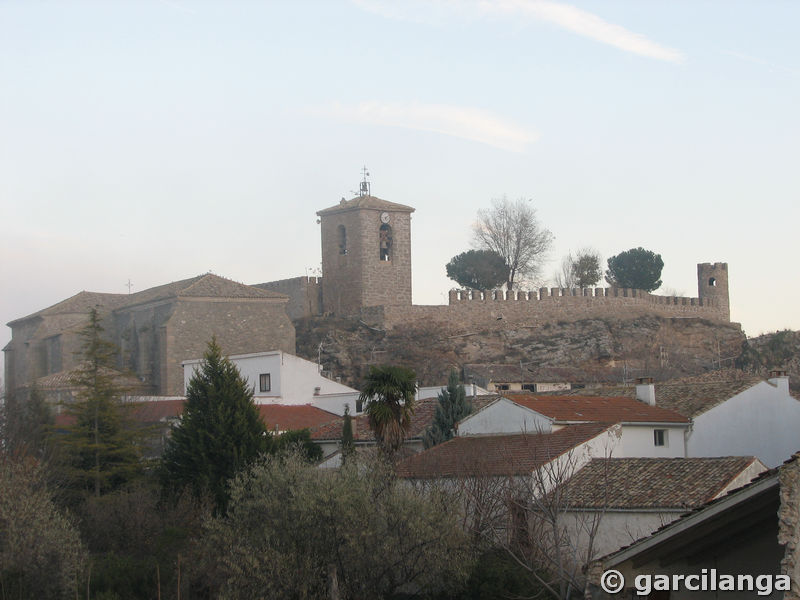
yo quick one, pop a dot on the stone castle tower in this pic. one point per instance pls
(712, 283)
(366, 254)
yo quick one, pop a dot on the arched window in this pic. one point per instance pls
(712, 282)
(342, 240)
(385, 244)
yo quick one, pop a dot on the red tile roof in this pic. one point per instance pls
(496, 455)
(669, 483)
(586, 409)
(420, 421)
(285, 417)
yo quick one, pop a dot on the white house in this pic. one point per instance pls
(282, 378)
(647, 431)
(732, 413)
(737, 416)
(613, 502)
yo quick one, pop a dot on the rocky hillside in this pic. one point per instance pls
(779, 350)
(602, 349)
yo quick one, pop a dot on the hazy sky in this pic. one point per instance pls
(154, 141)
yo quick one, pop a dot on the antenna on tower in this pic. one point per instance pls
(364, 189)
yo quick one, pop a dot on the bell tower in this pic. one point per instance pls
(366, 253)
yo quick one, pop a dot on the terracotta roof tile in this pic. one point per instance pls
(496, 455)
(420, 421)
(647, 483)
(689, 396)
(577, 409)
(286, 417)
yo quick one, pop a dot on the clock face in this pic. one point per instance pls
(384, 217)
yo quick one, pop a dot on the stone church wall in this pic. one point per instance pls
(240, 325)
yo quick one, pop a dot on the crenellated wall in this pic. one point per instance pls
(496, 309)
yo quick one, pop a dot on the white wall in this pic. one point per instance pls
(638, 441)
(503, 416)
(292, 379)
(470, 389)
(614, 529)
(762, 421)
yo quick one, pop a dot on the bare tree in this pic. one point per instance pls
(527, 512)
(581, 270)
(512, 230)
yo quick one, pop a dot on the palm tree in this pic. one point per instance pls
(389, 395)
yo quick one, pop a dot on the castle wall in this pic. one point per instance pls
(305, 295)
(496, 310)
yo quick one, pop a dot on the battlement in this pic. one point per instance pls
(457, 296)
(469, 310)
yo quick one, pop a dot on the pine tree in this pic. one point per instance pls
(348, 445)
(219, 433)
(453, 406)
(101, 449)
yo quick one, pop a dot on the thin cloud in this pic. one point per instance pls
(772, 67)
(456, 121)
(563, 15)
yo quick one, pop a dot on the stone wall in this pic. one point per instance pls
(241, 326)
(789, 524)
(496, 310)
(305, 295)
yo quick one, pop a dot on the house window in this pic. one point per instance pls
(385, 236)
(531, 387)
(501, 386)
(660, 437)
(264, 382)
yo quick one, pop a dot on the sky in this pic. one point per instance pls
(152, 141)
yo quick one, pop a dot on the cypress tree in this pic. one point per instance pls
(452, 407)
(219, 433)
(348, 444)
(101, 449)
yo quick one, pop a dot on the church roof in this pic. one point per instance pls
(80, 303)
(202, 286)
(364, 202)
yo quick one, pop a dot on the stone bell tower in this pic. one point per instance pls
(366, 253)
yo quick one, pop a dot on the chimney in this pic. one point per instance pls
(646, 391)
(780, 379)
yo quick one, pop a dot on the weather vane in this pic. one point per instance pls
(364, 189)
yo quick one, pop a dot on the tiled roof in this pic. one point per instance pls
(364, 202)
(162, 408)
(285, 417)
(208, 285)
(768, 479)
(577, 409)
(420, 421)
(499, 373)
(64, 380)
(80, 303)
(496, 455)
(648, 483)
(154, 411)
(689, 396)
